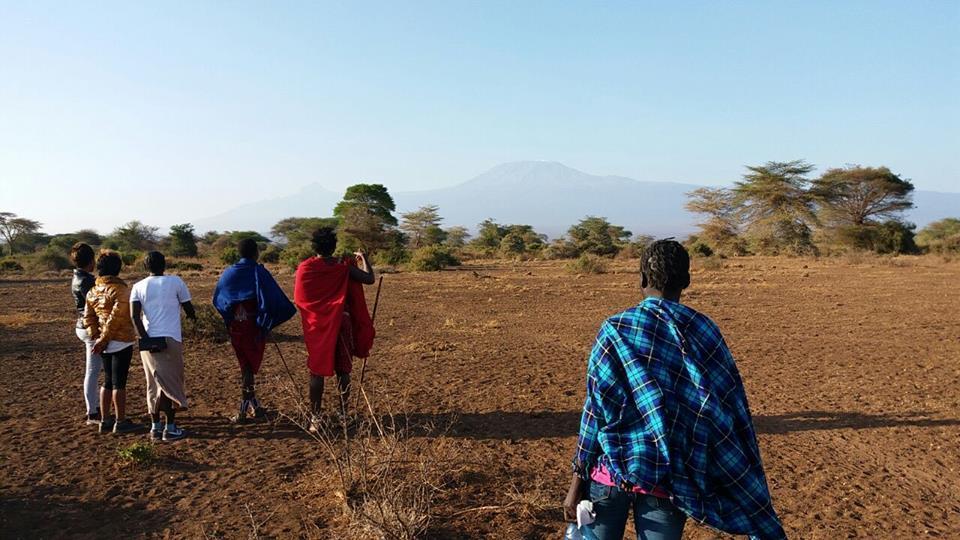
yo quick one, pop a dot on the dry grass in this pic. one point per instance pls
(386, 480)
(21, 319)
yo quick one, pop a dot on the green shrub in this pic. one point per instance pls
(51, 259)
(208, 326)
(229, 255)
(700, 249)
(271, 254)
(940, 236)
(292, 256)
(140, 453)
(10, 266)
(129, 258)
(184, 265)
(432, 259)
(588, 263)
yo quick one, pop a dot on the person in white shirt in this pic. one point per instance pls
(155, 303)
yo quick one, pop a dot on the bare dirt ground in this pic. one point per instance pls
(852, 369)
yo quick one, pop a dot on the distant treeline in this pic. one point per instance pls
(774, 209)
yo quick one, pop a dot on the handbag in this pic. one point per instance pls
(153, 344)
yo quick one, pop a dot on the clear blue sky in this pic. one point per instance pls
(173, 111)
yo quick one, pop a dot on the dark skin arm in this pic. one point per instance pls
(363, 272)
(137, 312)
(574, 496)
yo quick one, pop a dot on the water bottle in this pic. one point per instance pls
(572, 532)
(576, 533)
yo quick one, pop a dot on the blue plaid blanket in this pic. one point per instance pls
(666, 408)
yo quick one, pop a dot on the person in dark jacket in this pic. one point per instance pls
(251, 304)
(83, 279)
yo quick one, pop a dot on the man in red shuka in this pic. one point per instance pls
(336, 325)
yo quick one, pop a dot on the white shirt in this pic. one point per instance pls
(161, 297)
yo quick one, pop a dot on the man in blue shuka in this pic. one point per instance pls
(666, 429)
(251, 304)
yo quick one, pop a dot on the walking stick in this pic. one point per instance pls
(286, 367)
(363, 365)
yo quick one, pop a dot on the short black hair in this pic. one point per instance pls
(665, 266)
(109, 263)
(155, 262)
(248, 249)
(324, 241)
(81, 254)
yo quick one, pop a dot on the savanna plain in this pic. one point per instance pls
(852, 367)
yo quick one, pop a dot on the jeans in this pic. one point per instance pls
(654, 518)
(91, 392)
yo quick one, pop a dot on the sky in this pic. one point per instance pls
(171, 111)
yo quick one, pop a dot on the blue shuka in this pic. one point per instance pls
(247, 280)
(666, 408)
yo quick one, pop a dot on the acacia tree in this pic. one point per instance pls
(422, 227)
(776, 206)
(13, 228)
(598, 236)
(183, 241)
(133, 236)
(520, 240)
(857, 195)
(297, 230)
(721, 229)
(456, 237)
(366, 218)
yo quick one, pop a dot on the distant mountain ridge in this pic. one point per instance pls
(548, 195)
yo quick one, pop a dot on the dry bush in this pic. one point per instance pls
(712, 262)
(386, 480)
(588, 264)
(208, 326)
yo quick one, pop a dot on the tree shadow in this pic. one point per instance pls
(53, 512)
(823, 420)
(555, 424)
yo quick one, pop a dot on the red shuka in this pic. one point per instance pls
(322, 291)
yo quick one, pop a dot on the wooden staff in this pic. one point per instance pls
(363, 366)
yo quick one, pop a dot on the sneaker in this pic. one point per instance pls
(173, 433)
(93, 419)
(106, 425)
(156, 434)
(125, 426)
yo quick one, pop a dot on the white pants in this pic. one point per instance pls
(91, 391)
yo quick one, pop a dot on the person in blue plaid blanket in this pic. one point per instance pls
(666, 430)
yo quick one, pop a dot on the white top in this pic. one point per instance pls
(116, 346)
(161, 297)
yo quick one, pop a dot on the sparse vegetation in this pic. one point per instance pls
(10, 266)
(138, 453)
(208, 325)
(588, 263)
(432, 259)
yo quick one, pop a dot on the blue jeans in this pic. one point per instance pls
(653, 517)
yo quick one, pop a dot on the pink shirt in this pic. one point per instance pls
(601, 475)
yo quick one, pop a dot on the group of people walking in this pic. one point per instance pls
(112, 318)
(666, 432)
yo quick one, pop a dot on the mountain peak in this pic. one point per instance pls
(545, 174)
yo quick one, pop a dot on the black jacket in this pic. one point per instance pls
(82, 283)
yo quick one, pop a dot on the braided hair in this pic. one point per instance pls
(665, 266)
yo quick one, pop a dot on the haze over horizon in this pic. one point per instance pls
(173, 113)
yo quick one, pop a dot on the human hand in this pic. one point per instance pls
(99, 347)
